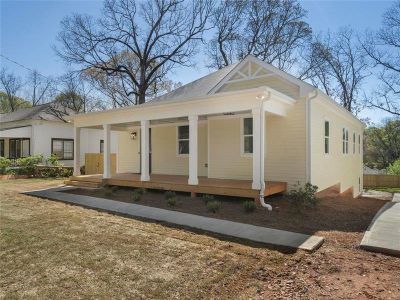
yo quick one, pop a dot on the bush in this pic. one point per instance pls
(171, 201)
(53, 160)
(303, 197)
(82, 170)
(108, 191)
(136, 196)
(169, 194)
(4, 164)
(207, 198)
(249, 206)
(213, 206)
(30, 160)
(140, 191)
(394, 168)
(115, 188)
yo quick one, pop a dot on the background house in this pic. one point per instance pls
(42, 130)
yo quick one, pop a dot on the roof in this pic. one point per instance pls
(197, 88)
(39, 112)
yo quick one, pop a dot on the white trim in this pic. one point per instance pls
(208, 148)
(234, 116)
(193, 150)
(242, 136)
(345, 140)
(107, 152)
(325, 136)
(177, 141)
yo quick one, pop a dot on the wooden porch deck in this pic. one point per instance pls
(224, 187)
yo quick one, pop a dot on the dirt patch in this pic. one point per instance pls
(53, 250)
(333, 213)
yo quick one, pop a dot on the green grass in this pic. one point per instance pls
(386, 189)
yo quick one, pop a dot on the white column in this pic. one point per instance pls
(144, 141)
(77, 152)
(106, 153)
(258, 148)
(193, 149)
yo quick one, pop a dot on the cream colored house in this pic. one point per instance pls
(249, 123)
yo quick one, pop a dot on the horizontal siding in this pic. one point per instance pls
(128, 157)
(336, 167)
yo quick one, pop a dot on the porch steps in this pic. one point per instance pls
(82, 183)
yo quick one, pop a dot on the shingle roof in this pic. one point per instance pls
(199, 87)
(39, 112)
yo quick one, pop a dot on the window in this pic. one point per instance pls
(354, 143)
(345, 141)
(2, 148)
(247, 137)
(326, 137)
(183, 140)
(19, 148)
(359, 144)
(101, 146)
(63, 148)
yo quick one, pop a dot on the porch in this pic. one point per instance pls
(179, 183)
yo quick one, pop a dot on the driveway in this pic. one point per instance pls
(383, 235)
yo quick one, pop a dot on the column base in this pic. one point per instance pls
(144, 178)
(76, 173)
(256, 186)
(193, 181)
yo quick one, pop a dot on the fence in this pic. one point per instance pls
(380, 180)
(94, 163)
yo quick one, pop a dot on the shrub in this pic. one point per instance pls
(108, 191)
(394, 168)
(82, 170)
(115, 188)
(136, 196)
(171, 201)
(30, 160)
(4, 164)
(303, 197)
(249, 206)
(169, 194)
(140, 191)
(213, 206)
(207, 198)
(53, 160)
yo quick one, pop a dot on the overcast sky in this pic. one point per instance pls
(29, 28)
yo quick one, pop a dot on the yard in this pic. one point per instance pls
(49, 249)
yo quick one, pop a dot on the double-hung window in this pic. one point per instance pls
(345, 141)
(359, 144)
(2, 148)
(19, 147)
(183, 140)
(63, 148)
(326, 136)
(247, 136)
(354, 143)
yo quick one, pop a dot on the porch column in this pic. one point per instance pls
(77, 152)
(106, 153)
(258, 148)
(144, 156)
(193, 137)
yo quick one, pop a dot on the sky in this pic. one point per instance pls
(28, 31)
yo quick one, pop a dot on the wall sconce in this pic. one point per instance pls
(133, 135)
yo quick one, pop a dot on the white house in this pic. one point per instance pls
(247, 125)
(41, 130)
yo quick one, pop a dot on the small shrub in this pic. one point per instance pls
(207, 198)
(115, 188)
(53, 160)
(140, 191)
(108, 190)
(136, 196)
(4, 164)
(249, 206)
(30, 160)
(82, 170)
(303, 197)
(169, 194)
(171, 201)
(213, 206)
(394, 168)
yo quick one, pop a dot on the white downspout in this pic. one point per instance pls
(262, 155)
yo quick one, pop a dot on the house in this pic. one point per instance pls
(247, 130)
(42, 130)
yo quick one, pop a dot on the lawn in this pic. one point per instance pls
(52, 250)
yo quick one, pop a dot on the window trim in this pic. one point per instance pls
(2, 147)
(242, 136)
(21, 139)
(359, 143)
(327, 137)
(345, 140)
(354, 142)
(178, 140)
(101, 143)
(63, 140)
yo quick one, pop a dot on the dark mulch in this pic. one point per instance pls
(332, 213)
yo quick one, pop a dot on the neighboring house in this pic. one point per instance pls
(42, 130)
(248, 121)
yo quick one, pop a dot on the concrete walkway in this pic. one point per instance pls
(383, 235)
(228, 228)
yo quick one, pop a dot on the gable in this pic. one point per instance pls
(251, 73)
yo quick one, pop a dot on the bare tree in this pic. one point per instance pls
(11, 85)
(41, 88)
(159, 35)
(271, 30)
(383, 48)
(337, 64)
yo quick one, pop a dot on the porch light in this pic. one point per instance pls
(133, 135)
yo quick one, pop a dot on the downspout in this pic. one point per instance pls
(262, 154)
(308, 138)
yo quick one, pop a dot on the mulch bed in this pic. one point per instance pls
(332, 213)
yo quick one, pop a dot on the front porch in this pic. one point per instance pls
(179, 183)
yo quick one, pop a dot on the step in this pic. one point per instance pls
(81, 183)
